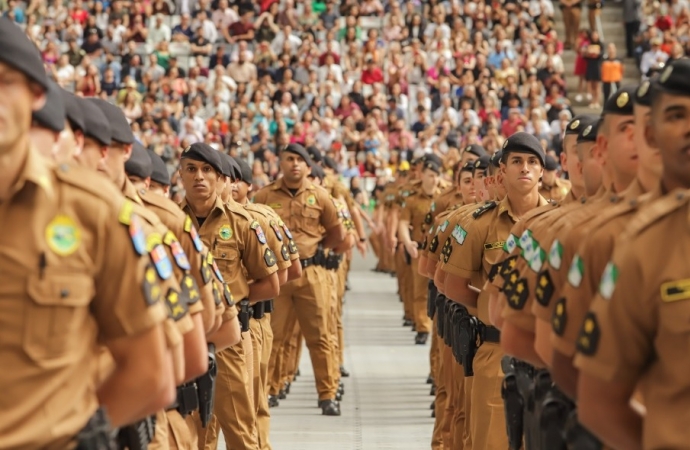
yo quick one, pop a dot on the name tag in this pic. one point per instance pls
(275, 205)
(494, 245)
(675, 290)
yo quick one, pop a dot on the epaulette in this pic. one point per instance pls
(88, 181)
(162, 203)
(484, 208)
(239, 210)
(656, 210)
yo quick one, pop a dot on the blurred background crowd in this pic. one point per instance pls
(372, 83)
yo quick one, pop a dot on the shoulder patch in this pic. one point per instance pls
(269, 258)
(227, 295)
(510, 282)
(459, 234)
(276, 230)
(544, 289)
(189, 289)
(136, 234)
(217, 297)
(159, 257)
(206, 273)
(191, 229)
(482, 209)
(212, 263)
(285, 252)
(560, 317)
(286, 230)
(588, 341)
(176, 307)
(259, 232)
(150, 287)
(433, 245)
(518, 297)
(178, 253)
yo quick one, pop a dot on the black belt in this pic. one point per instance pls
(307, 262)
(268, 306)
(491, 334)
(258, 310)
(187, 399)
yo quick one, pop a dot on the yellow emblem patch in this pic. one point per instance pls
(494, 245)
(575, 124)
(126, 211)
(225, 232)
(674, 291)
(187, 224)
(311, 200)
(63, 235)
(622, 100)
(275, 205)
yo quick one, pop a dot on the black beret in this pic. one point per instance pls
(579, 123)
(551, 163)
(475, 149)
(299, 150)
(96, 125)
(246, 173)
(204, 153)
(431, 165)
(226, 166)
(159, 171)
(236, 171)
(482, 163)
(524, 143)
(620, 103)
(674, 79)
(589, 134)
(643, 94)
(433, 158)
(330, 163)
(52, 115)
(317, 172)
(467, 167)
(315, 154)
(139, 163)
(73, 110)
(496, 158)
(19, 52)
(121, 130)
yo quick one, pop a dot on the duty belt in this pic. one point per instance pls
(258, 310)
(307, 262)
(490, 334)
(268, 306)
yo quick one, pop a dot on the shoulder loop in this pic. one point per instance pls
(87, 180)
(484, 208)
(657, 209)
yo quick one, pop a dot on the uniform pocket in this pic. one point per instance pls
(227, 257)
(57, 316)
(310, 217)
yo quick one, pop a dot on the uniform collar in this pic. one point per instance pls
(634, 190)
(218, 205)
(131, 193)
(36, 171)
(306, 185)
(504, 206)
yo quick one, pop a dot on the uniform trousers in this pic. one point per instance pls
(437, 441)
(402, 271)
(263, 415)
(420, 292)
(488, 423)
(308, 300)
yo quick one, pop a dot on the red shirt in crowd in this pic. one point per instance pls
(509, 128)
(371, 76)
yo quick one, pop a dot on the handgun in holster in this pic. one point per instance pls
(139, 435)
(320, 257)
(97, 434)
(431, 300)
(244, 314)
(453, 332)
(469, 334)
(448, 322)
(555, 408)
(268, 306)
(513, 404)
(206, 387)
(187, 399)
(408, 257)
(258, 310)
(578, 437)
(440, 308)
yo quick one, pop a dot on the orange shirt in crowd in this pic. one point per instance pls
(611, 71)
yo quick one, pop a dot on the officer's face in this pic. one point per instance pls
(69, 144)
(467, 187)
(570, 161)
(620, 144)
(669, 131)
(549, 177)
(429, 179)
(240, 190)
(159, 189)
(467, 157)
(19, 97)
(199, 179)
(521, 172)
(294, 167)
(589, 168)
(480, 190)
(91, 155)
(140, 183)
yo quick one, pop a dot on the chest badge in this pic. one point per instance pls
(225, 232)
(63, 235)
(311, 200)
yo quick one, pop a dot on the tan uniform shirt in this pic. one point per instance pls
(303, 213)
(237, 242)
(415, 210)
(475, 249)
(274, 234)
(69, 275)
(637, 329)
(440, 243)
(558, 192)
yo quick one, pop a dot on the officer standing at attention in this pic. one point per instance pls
(474, 251)
(49, 122)
(238, 247)
(304, 208)
(288, 251)
(413, 225)
(75, 254)
(552, 186)
(635, 335)
(160, 177)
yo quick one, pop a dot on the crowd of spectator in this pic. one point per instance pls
(370, 82)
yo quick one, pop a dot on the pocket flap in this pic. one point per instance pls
(61, 289)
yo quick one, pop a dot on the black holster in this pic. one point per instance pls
(440, 309)
(244, 315)
(408, 257)
(513, 404)
(97, 433)
(206, 387)
(258, 310)
(320, 257)
(139, 435)
(467, 342)
(187, 399)
(333, 261)
(431, 300)
(578, 437)
(268, 306)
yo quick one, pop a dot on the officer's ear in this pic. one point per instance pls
(564, 161)
(649, 134)
(39, 96)
(127, 152)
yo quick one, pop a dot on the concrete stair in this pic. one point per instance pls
(613, 31)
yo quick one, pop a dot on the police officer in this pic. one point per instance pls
(636, 330)
(473, 253)
(238, 245)
(160, 177)
(552, 186)
(304, 208)
(74, 254)
(49, 122)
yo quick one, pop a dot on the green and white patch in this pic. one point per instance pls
(443, 226)
(536, 261)
(459, 234)
(608, 281)
(556, 254)
(527, 244)
(433, 206)
(576, 271)
(511, 244)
